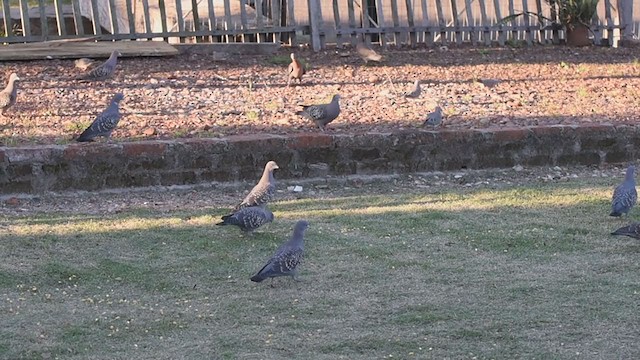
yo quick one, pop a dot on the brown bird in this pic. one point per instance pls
(367, 54)
(9, 94)
(295, 70)
(264, 190)
(83, 64)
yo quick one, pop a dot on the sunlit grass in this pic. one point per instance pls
(402, 272)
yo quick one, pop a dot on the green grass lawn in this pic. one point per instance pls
(515, 272)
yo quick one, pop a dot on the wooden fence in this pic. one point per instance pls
(317, 22)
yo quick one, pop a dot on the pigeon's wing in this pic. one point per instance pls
(103, 125)
(624, 198)
(259, 195)
(281, 264)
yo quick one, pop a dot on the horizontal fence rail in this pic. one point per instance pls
(316, 22)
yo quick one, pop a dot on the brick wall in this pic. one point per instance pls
(95, 166)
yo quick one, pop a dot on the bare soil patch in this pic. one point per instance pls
(202, 96)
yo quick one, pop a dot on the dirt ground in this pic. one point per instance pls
(206, 96)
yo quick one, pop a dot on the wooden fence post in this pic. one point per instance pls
(315, 19)
(625, 14)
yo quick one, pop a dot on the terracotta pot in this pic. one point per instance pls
(578, 36)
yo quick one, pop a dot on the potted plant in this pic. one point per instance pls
(573, 15)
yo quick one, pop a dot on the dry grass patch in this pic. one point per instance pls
(517, 272)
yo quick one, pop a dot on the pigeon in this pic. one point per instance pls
(9, 94)
(83, 64)
(632, 230)
(102, 71)
(434, 118)
(322, 114)
(248, 219)
(295, 70)
(263, 191)
(625, 194)
(287, 257)
(415, 92)
(489, 83)
(367, 54)
(104, 123)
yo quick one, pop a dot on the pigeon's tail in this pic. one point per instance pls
(227, 220)
(257, 278)
(84, 137)
(621, 232)
(615, 213)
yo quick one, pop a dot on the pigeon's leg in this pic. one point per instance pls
(289, 81)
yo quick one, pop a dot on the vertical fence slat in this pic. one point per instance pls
(396, 22)
(291, 20)
(163, 17)
(243, 18)
(24, 18)
(625, 14)
(412, 34)
(352, 19)
(470, 20)
(428, 35)
(259, 20)
(527, 23)
(95, 18)
(365, 18)
(227, 20)
(315, 18)
(212, 15)
(336, 20)
(607, 14)
(130, 16)
(555, 33)
(501, 34)
(6, 17)
(380, 21)
(441, 21)
(179, 20)
(275, 17)
(44, 26)
(77, 17)
(147, 16)
(456, 21)
(541, 33)
(486, 33)
(513, 35)
(113, 15)
(62, 29)
(197, 26)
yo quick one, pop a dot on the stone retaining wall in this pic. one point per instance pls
(95, 166)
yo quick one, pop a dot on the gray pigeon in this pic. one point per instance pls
(287, 257)
(434, 118)
(263, 191)
(295, 70)
(103, 70)
(367, 54)
(625, 194)
(248, 219)
(415, 92)
(322, 114)
(632, 230)
(104, 123)
(9, 94)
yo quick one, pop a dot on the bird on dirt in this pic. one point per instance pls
(9, 94)
(248, 219)
(367, 54)
(286, 258)
(322, 114)
(264, 190)
(295, 70)
(632, 230)
(83, 63)
(102, 71)
(434, 118)
(625, 195)
(489, 83)
(104, 123)
(415, 91)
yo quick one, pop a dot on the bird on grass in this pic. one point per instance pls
(263, 191)
(367, 54)
(9, 94)
(632, 230)
(248, 219)
(102, 71)
(625, 195)
(415, 91)
(322, 114)
(105, 123)
(295, 70)
(434, 118)
(286, 258)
